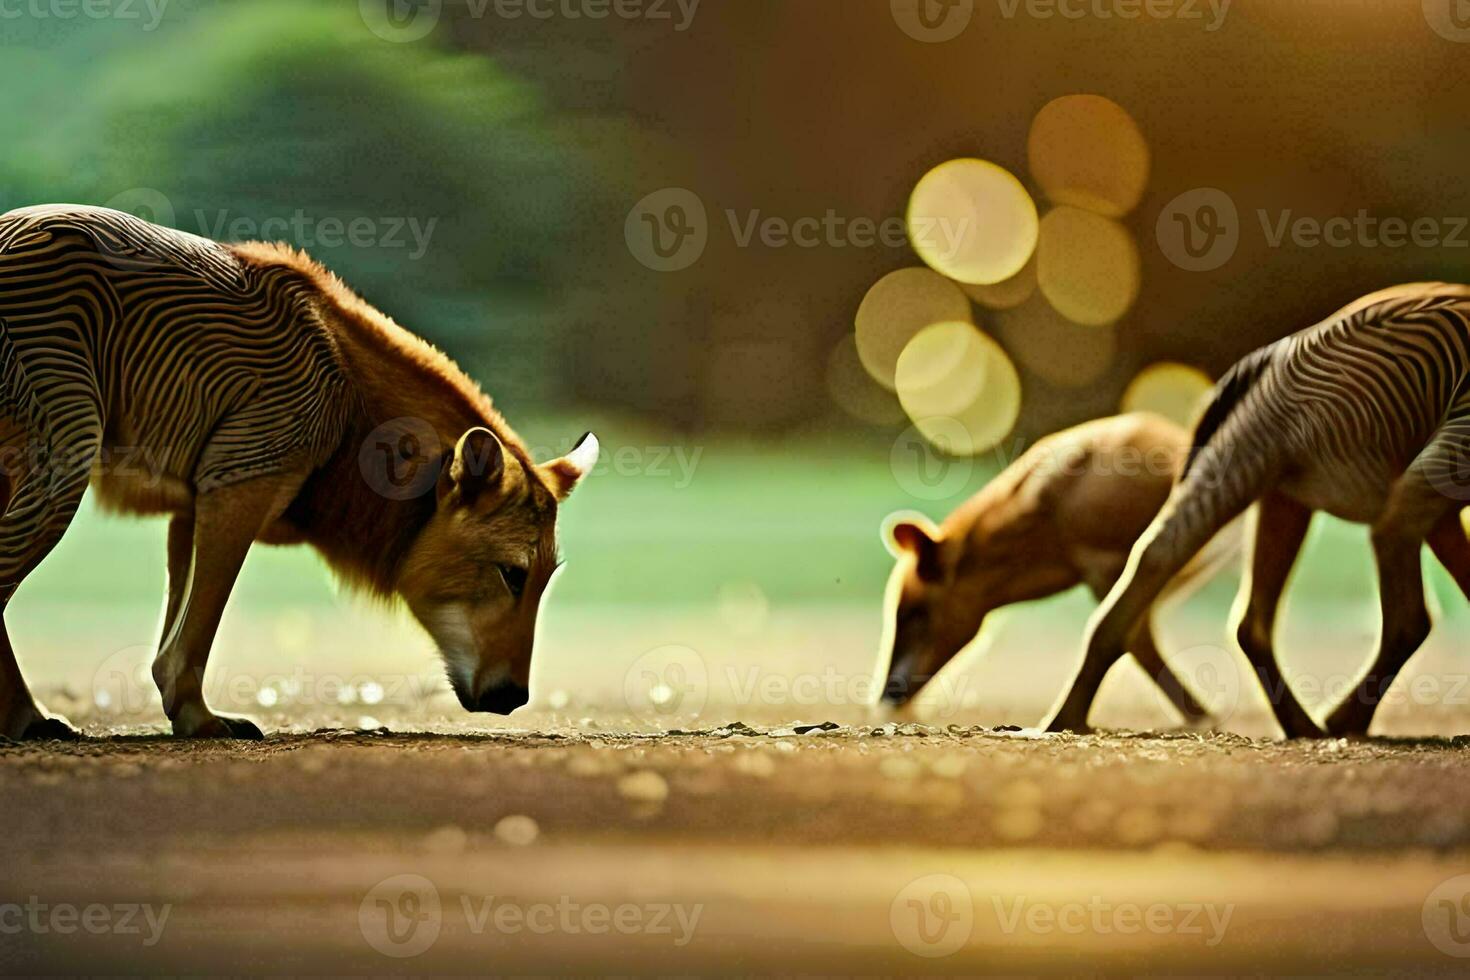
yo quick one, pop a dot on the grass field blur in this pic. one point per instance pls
(764, 561)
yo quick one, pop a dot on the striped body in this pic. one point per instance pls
(164, 356)
(1333, 416)
(1365, 416)
(249, 394)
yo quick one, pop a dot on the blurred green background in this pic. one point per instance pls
(736, 512)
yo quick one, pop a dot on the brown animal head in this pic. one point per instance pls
(933, 621)
(476, 572)
(991, 552)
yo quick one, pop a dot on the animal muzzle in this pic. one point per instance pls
(499, 699)
(899, 689)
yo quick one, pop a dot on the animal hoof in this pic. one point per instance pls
(1341, 724)
(218, 726)
(49, 729)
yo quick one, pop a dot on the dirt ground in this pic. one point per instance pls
(893, 849)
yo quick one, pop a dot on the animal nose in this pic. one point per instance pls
(503, 698)
(898, 689)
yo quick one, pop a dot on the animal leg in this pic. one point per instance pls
(1192, 517)
(1415, 507)
(1145, 650)
(1450, 545)
(180, 560)
(1280, 529)
(44, 500)
(226, 522)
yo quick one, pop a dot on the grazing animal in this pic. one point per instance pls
(1066, 513)
(1366, 416)
(247, 393)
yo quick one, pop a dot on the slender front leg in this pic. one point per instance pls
(1193, 516)
(180, 560)
(1280, 529)
(226, 522)
(1145, 650)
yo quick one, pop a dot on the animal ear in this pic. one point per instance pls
(563, 475)
(914, 534)
(478, 465)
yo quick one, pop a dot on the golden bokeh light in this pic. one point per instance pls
(972, 221)
(1175, 391)
(897, 307)
(959, 388)
(1054, 348)
(1087, 266)
(1088, 152)
(1009, 294)
(855, 391)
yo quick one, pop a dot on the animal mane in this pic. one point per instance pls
(375, 330)
(393, 373)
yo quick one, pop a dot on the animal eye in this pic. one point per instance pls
(515, 579)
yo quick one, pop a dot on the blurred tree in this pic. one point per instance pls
(292, 121)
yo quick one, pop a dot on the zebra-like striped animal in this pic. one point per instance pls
(246, 393)
(1365, 416)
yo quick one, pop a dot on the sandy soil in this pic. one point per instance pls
(851, 849)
